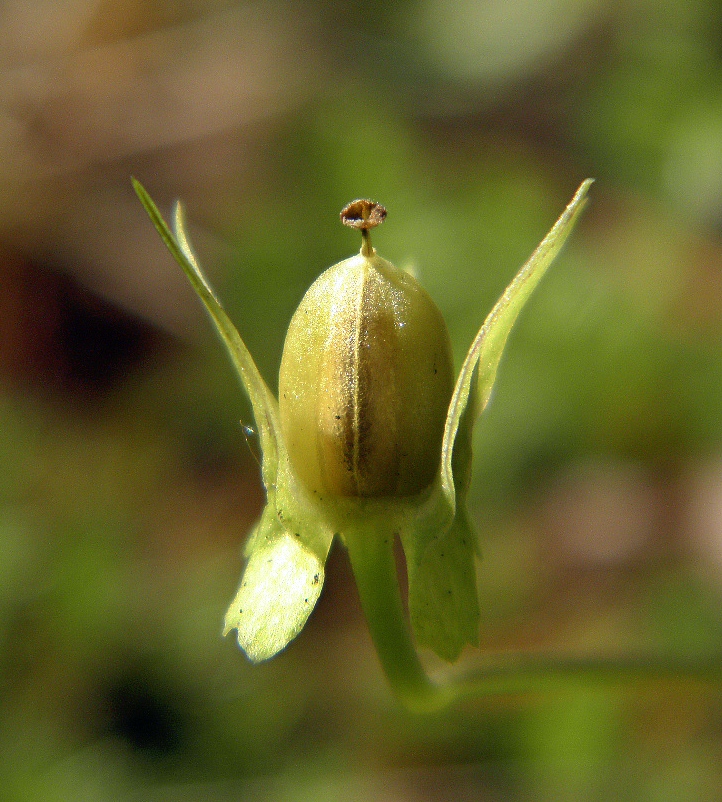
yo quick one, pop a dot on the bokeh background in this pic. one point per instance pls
(127, 484)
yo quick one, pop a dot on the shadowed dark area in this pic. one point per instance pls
(62, 338)
(142, 711)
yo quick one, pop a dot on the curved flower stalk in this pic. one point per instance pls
(371, 441)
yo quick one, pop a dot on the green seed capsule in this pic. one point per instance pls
(366, 378)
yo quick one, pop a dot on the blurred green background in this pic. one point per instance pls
(126, 484)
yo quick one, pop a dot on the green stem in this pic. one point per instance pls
(529, 673)
(374, 567)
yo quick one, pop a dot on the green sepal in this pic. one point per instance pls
(283, 577)
(287, 549)
(440, 552)
(279, 588)
(263, 402)
(478, 371)
(443, 599)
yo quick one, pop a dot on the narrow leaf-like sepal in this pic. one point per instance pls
(443, 601)
(284, 574)
(478, 373)
(265, 406)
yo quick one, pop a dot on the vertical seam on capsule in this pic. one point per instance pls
(355, 369)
